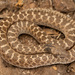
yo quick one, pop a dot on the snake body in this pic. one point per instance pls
(26, 21)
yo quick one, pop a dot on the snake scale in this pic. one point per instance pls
(15, 53)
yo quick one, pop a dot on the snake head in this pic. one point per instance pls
(55, 50)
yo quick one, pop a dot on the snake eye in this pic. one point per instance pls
(47, 50)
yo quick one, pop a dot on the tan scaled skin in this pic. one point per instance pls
(26, 21)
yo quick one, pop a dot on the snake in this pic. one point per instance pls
(26, 22)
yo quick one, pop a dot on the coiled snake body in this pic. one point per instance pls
(26, 21)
